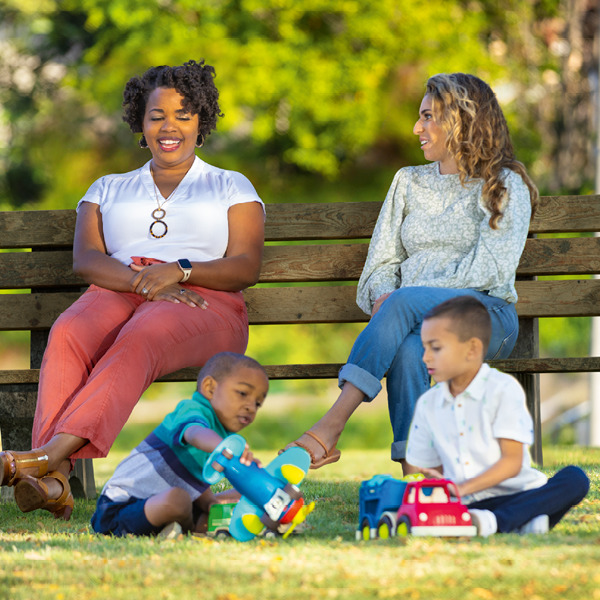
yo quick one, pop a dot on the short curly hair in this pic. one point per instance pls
(193, 80)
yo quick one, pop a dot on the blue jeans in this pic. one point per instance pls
(391, 343)
(566, 489)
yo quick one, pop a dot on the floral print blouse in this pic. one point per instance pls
(433, 231)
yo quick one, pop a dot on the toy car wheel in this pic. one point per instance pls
(385, 528)
(365, 530)
(222, 534)
(404, 527)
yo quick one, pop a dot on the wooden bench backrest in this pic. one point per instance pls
(320, 245)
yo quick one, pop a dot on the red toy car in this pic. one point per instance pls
(433, 507)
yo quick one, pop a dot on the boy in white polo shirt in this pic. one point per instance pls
(473, 427)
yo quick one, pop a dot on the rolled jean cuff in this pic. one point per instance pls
(368, 384)
(399, 450)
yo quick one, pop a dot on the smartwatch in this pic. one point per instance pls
(186, 266)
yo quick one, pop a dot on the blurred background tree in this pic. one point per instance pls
(320, 98)
(318, 92)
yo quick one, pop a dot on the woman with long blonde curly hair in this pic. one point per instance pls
(477, 136)
(456, 226)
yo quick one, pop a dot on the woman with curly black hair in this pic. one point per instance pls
(167, 250)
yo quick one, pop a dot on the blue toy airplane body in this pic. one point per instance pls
(270, 495)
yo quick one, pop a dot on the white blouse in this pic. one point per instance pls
(433, 231)
(196, 213)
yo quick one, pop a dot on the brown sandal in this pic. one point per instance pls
(32, 494)
(16, 465)
(331, 454)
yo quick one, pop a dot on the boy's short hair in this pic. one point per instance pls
(469, 318)
(224, 363)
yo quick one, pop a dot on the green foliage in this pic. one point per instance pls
(320, 87)
(565, 336)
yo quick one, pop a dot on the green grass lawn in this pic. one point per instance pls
(43, 558)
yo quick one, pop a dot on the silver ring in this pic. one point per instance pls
(181, 290)
(144, 292)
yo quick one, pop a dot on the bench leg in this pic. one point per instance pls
(82, 479)
(531, 385)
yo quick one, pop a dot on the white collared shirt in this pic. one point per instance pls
(461, 433)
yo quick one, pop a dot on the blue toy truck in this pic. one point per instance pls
(379, 499)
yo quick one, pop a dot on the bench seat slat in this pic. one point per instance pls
(330, 370)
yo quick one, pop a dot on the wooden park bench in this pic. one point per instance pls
(319, 251)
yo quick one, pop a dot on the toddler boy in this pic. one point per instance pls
(159, 485)
(474, 428)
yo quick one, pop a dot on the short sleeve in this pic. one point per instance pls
(94, 193)
(241, 190)
(421, 451)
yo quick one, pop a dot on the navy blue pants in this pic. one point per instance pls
(563, 491)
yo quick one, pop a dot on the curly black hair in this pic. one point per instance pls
(193, 80)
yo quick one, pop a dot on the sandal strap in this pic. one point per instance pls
(31, 493)
(65, 484)
(33, 463)
(317, 439)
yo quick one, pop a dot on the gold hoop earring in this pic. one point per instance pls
(142, 143)
(200, 141)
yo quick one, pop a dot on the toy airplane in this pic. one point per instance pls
(270, 495)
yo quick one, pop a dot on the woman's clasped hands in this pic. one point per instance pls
(161, 282)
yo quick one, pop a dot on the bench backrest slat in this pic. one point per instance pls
(297, 254)
(331, 304)
(37, 228)
(323, 221)
(556, 214)
(304, 263)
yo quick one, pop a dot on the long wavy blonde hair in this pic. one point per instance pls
(477, 136)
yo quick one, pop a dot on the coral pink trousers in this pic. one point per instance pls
(108, 347)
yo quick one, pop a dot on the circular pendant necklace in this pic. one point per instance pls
(158, 214)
